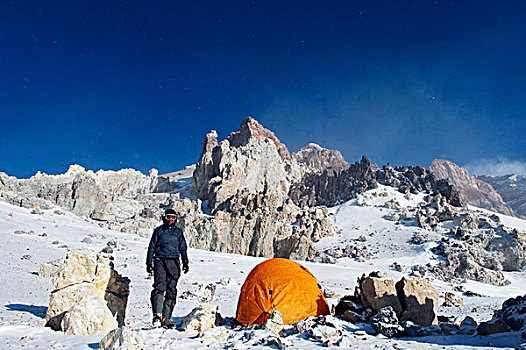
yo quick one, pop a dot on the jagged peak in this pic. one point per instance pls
(251, 128)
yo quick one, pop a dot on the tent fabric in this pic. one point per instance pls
(283, 285)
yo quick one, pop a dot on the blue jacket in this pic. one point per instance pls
(167, 242)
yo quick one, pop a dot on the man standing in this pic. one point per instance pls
(166, 246)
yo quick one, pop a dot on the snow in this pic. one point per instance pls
(25, 296)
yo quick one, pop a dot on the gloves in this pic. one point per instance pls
(149, 268)
(186, 268)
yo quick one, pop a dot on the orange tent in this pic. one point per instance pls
(283, 285)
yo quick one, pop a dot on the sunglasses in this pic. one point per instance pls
(170, 217)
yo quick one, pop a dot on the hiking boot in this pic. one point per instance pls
(156, 322)
(168, 324)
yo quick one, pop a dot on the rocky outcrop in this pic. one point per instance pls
(315, 158)
(480, 248)
(472, 191)
(512, 189)
(243, 182)
(251, 129)
(334, 186)
(87, 280)
(107, 196)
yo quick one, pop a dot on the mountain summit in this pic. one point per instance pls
(472, 191)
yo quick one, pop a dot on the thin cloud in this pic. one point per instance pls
(496, 167)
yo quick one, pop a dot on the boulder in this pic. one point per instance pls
(62, 300)
(419, 300)
(492, 327)
(386, 322)
(122, 338)
(88, 316)
(513, 313)
(202, 317)
(82, 265)
(376, 293)
(86, 273)
(50, 268)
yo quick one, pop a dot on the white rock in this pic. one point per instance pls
(122, 338)
(200, 318)
(228, 281)
(88, 317)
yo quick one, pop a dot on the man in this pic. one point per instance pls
(166, 246)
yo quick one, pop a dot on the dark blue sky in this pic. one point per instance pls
(113, 84)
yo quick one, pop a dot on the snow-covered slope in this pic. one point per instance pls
(41, 238)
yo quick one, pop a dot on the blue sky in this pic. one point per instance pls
(114, 84)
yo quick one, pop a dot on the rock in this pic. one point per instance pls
(204, 293)
(467, 323)
(450, 300)
(377, 293)
(513, 313)
(492, 327)
(316, 159)
(88, 316)
(274, 342)
(107, 250)
(414, 330)
(275, 323)
(122, 338)
(50, 268)
(325, 334)
(471, 190)
(87, 240)
(37, 211)
(244, 181)
(386, 322)
(228, 281)
(353, 317)
(202, 317)
(419, 300)
(84, 273)
(83, 266)
(512, 189)
(331, 294)
(303, 326)
(448, 328)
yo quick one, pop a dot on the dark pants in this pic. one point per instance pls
(166, 273)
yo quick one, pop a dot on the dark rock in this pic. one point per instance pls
(412, 329)
(513, 312)
(492, 327)
(107, 250)
(386, 322)
(442, 318)
(448, 328)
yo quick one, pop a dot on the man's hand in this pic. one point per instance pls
(149, 268)
(186, 268)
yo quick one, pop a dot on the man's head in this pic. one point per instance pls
(169, 216)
